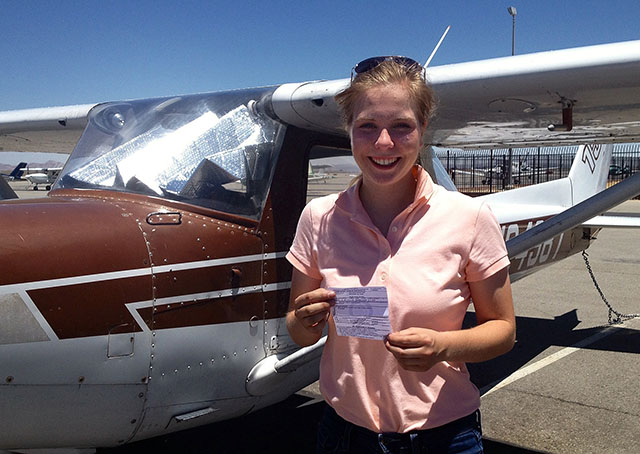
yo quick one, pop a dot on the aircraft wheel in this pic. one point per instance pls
(48, 187)
(35, 188)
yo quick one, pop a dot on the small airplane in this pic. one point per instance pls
(316, 176)
(160, 303)
(519, 171)
(42, 176)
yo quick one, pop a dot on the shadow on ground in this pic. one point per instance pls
(288, 427)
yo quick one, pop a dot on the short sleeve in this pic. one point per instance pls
(488, 253)
(303, 253)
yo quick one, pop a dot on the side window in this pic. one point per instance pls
(330, 170)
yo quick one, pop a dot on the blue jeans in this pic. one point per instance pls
(335, 435)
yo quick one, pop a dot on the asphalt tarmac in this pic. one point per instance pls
(568, 386)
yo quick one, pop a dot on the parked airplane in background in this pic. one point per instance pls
(34, 175)
(160, 303)
(519, 172)
(316, 176)
(42, 176)
(16, 173)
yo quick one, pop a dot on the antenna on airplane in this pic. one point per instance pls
(437, 47)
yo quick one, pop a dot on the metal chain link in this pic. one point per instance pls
(619, 317)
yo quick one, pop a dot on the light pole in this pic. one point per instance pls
(513, 12)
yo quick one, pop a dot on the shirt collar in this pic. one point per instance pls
(349, 199)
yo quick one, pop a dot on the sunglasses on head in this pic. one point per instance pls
(372, 62)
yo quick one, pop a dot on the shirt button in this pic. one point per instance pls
(394, 229)
(383, 276)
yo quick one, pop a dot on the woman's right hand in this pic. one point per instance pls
(312, 309)
(309, 308)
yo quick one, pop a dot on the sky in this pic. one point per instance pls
(74, 52)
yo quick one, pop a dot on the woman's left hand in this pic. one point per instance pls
(415, 349)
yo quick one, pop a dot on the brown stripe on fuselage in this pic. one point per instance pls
(210, 311)
(227, 309)
(97, 308)
(92, 308)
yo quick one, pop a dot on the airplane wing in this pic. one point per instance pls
(510, 101)
(49, 129)
(500, 102)
(618, 220)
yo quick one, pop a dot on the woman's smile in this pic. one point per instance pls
(385, 162)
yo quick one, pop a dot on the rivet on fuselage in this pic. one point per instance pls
(81, 379)
(9, 379)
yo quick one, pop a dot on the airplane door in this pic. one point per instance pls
(206, 318)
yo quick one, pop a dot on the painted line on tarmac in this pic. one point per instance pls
(531, 368)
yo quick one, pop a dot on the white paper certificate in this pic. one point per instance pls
(361, 312)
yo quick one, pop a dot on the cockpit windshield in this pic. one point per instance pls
(214, 150)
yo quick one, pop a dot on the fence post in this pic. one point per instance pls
(490, 172)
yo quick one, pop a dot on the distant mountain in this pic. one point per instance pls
(46, 165)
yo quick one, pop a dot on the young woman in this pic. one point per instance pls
(433, 250)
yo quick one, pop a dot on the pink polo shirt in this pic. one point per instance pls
(433, 249)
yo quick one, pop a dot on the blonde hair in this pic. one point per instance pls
(389, 72)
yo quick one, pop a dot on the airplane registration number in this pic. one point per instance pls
(541, 254)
